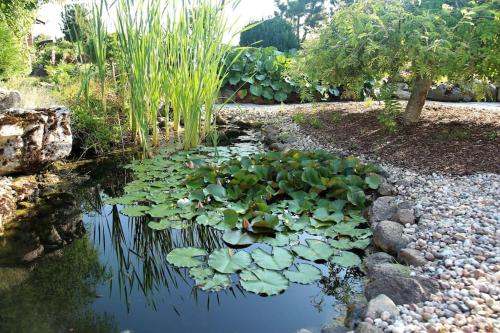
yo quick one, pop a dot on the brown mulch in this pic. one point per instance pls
(456, 141)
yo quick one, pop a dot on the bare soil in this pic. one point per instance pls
(447, 139)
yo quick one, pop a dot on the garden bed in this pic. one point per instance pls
(453, 140)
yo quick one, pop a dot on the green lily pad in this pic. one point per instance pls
(316, 250)
(347, 244)
(305, 274)
(279, 239)
(164, 210)
(201, 273)
(217, 191)
(135, 211)
(278, 260)
(223, 261)
(208, 280)
(185, 256)
(239, 238)
(230, 217)
(263, 282)
(346, 259)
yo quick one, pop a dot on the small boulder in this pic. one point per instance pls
(380, 304)
(34, 254)
(411, 257)
(377, 259)
(365, 327)
(402, 290)
(382, 209)
(9, 99)
(405, 216)
(388, 269)
(388, 236)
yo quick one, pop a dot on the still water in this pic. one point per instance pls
(116, 279)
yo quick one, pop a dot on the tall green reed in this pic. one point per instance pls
(170, 51)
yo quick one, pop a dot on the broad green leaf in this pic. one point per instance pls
(279, 239)
(239, 238)
(217, 191)
(135, 211)
(278, 260)
(373, 182)
(346, 259)
(316, 250)
(280, 96)
(214, 283)
(211, 219)
(185, 256)
(311, 177)
(230, 217)
(263, 282)
(224, 261)
(305, 274)
(164, 210)
(256, 90)
(201, 273)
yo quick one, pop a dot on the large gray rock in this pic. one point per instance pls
(401, 289)
(445, 93)
(411, 257)
(403, 91)
(31, 139)
(380, 304)
(8, 202)
(388, 236)
(387, 269)
(382, 209)
(9, 99)
(377, 259)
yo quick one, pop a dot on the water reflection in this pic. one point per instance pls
(56, 295)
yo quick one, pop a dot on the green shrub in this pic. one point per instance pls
(62, 73)
(11, 53)
(275, 32)
(392, 109)
(95, 129)
(65, 51)
(258, 71)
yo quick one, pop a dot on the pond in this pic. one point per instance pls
(117, 278)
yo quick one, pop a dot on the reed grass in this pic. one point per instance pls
(171, 52)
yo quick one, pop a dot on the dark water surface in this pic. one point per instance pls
(116, 279)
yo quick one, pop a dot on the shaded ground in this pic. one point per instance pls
(447, 139)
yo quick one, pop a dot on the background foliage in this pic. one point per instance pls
(275, 32)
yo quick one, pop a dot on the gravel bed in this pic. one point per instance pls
(458, 232)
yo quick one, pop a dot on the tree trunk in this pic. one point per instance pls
(417, 100)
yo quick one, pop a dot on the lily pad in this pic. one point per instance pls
(263, 281)
(135, 211)
(230, 217)
(201, 273)
(278, 260)
(305, 274)
(316, 250)
(224, 261)
(217, 191)
(346, 259)
(239, 238)
(185, 256)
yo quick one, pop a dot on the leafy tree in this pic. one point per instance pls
(275, 32)
(74, 22)
(10, 61)
(19, 14)
(458, 39)
(304, 15)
